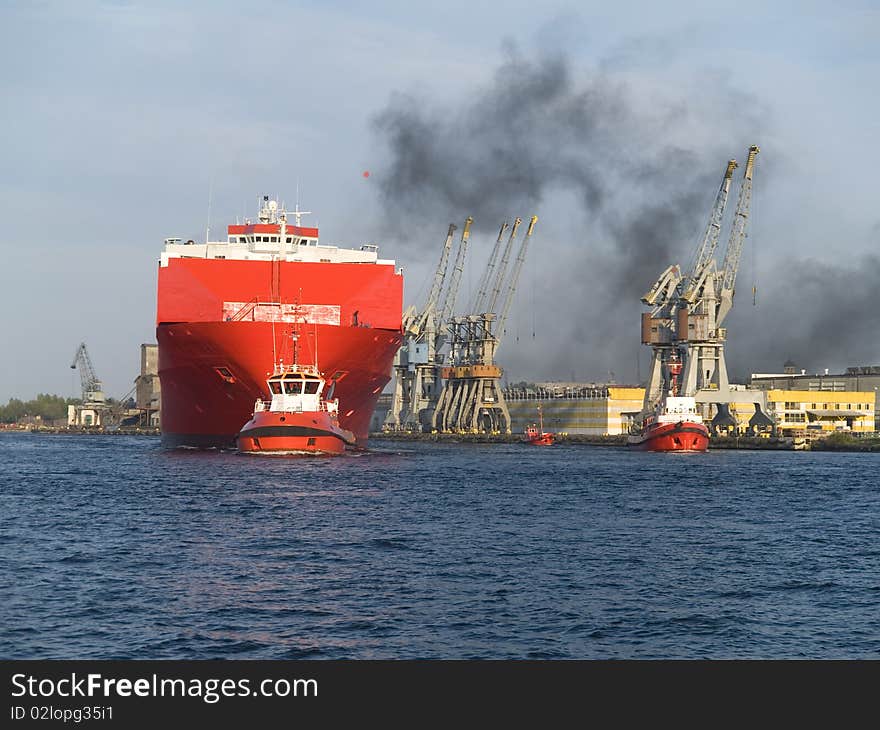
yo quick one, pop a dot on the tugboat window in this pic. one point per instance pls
(312, 387)
(293, 388)
(275, 387)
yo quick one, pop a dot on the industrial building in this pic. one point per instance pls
(858, 385)
(97, 411)
(147, 387)
(568, 408)
(609, 409)
(575, 408)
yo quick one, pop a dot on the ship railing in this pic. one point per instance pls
(540, 394)
(327, 406)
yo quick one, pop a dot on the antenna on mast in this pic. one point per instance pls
(297, 213)
(210, 198)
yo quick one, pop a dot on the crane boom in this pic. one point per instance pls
(499, 277)
(663, 287)
(482, 291)
(434, 294)
(514, 277)
(705, 252)
(738, 229)
(452, 292)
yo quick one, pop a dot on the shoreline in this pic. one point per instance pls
(745, 443)
(63, 431)
(832, 443)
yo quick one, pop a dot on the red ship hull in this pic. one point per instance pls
(306, 432)
(216, 348)
(681, 436)
(213, 372)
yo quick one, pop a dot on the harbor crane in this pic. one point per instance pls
(472, 399)
(688, 311)
(418, 361)
(92, 388)
(659, 325)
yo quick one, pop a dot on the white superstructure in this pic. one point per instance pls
(271, 238)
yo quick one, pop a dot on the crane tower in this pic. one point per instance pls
(419, 360)
(472, 399)
(92, 388)
(689, 308)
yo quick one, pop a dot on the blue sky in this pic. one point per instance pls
(124, 118)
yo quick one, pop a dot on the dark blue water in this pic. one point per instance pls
(114, 548)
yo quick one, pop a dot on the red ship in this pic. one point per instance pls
(219, 305)
(675, 424)
(302, 417)
(537, 435)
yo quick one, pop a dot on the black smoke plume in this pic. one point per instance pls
(626, 182)
(818, 315)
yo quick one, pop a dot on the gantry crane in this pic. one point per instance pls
(659, 327)
(92, 388)
(472, 398)
(688, 311)
(417, 382)
(706, 304)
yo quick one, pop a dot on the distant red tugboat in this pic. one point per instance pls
(675, 424)
(536, 435)
(299, 419)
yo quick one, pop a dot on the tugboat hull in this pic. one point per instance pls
(681, 436)
(313, 433)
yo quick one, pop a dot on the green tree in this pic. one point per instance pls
(46, 406)
(12, 411)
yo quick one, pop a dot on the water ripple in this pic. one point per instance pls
(114, 548)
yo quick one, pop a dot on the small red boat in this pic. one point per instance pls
(301, 417)
(537, 435)
(675, 424)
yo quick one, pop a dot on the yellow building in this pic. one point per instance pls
(822, 411)
(587, 409)
(807, 410)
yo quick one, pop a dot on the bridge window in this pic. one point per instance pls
(293, 388)
(275, 387)
(312, 387)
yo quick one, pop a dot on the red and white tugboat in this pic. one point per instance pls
(537, 435)
(675, 424)
(300, 418)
